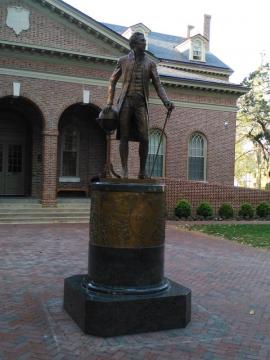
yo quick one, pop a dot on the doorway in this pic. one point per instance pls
(14, 154)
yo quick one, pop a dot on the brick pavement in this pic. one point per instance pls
(228, 281)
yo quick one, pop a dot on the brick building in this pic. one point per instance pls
(55, 63)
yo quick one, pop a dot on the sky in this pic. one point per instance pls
(240, 29)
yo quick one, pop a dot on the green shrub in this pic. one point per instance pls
(246, 211)
(225, 211)
(205, 210)
(263, 209)
(183, 209)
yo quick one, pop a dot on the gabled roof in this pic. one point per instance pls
(85, 22)
(141, 25)
(175, 68)
(89, 24)
(163, 47)
(191, 39)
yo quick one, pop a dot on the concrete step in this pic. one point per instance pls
(20, 199)
(20, 205)
(44, 215)
(13, 209)
(16, 210)
(30, 211)
(35, 201)
(61, 220)
(26, 204)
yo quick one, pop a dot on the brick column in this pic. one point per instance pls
(50, 140)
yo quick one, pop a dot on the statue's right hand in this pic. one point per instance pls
(107, 108)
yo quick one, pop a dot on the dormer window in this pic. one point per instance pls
(194, 47)
(140, 28)
(197, 50)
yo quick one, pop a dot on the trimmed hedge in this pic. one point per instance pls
(263, 209)
(205, 210)
(246, 211)
(182, 209)
(225, 211)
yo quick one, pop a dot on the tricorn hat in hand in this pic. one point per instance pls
(108, 120)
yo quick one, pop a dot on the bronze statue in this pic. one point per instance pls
(137, 70)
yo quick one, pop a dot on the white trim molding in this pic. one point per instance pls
(69, 179)
(99, 82)
(86, 96)
(16, 88)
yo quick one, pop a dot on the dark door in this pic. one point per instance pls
(12, 155)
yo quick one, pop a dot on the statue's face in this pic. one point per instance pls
(140, 44)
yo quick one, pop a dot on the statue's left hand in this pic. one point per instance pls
(169, 105)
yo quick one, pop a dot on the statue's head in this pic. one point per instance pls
(137, 41)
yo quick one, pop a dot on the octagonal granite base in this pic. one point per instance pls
(108, 315)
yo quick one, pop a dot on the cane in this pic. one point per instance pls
(161, 136)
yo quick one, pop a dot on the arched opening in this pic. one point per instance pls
(20, 147)
(81, 149)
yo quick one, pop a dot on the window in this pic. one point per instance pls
(70, 152)
(154, 139)
(197, 50)
(197, 157)
(1, 157)
(15, 158)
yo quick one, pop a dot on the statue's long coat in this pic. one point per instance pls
(124, 68)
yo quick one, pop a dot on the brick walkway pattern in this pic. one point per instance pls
(230, 286)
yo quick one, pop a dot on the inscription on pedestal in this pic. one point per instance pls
(127, 220)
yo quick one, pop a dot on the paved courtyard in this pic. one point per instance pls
(230, 299)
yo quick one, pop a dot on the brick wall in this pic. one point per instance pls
(48, 29)
(199, 97)
(53, 97)
(215, 194)
(56, 95)
(183, 122)
(36, 160)
(76, 68)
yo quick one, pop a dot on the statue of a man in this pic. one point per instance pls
(137, 70)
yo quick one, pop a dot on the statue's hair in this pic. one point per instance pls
(134, 38)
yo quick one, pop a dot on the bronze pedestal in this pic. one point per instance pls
(125, 290)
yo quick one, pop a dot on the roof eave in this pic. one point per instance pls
(35, 49)
(228, 71)
(42, 50)
(204, 85)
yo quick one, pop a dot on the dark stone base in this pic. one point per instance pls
(124, 267)
(112, 315)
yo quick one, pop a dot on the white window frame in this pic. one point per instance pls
(162, 148)
(75, 178)
(204, 156)
(193, 50)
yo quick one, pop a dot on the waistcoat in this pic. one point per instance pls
(136, 86)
